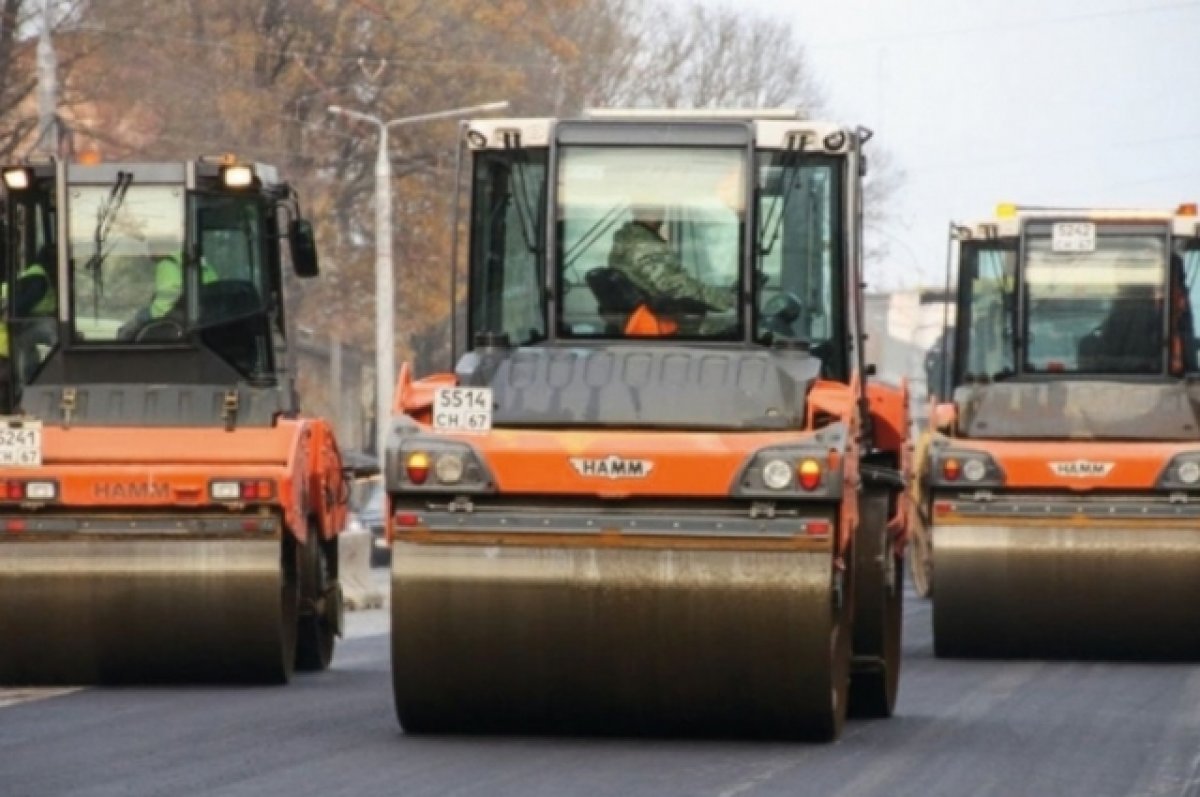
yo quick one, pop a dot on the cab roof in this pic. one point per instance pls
(773, 128)
(1008, 219)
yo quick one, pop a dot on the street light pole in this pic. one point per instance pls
(385, 291)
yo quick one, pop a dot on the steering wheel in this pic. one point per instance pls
(780, 312)
(159, 330)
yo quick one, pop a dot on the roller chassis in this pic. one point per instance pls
(1058, 523)
(682, 526)
(126, 558)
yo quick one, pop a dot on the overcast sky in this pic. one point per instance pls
(1041, 102)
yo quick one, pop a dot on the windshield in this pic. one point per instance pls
(799, 260)
(650, 241)
(139, 279)
(1094, 298)
(126, 246)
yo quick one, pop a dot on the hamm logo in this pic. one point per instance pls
(1081, 469)
(613, 467)
(134, 491)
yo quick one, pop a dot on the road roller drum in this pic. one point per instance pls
(111, 611)
(1118, 592)
(628, 640)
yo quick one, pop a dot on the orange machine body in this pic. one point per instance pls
(130, 470)
(685, 465)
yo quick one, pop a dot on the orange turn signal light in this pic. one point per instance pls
(418, 467)
(809, 474)
(951, 469)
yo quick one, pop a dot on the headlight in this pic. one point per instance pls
(41, 491)
(16, 179)
(239, 176)
(449, 468)
(777, 474)
(1188, 472)
(974, 470)
(225, 491)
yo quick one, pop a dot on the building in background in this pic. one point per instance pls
(904, 339)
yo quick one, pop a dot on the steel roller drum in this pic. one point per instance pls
(82, 611)
(629, 640)
(1117, 592)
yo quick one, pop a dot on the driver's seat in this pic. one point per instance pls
(621, 302)
(617, 297)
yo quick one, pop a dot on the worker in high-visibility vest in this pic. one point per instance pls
(35, 303)
(168, 289)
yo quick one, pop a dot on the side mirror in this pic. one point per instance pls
(304, 249)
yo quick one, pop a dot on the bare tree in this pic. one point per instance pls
(703, 57)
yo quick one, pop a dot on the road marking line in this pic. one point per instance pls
(15, 697)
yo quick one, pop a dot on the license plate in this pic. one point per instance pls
(1072, 236)
(462, 409)
(20, 443)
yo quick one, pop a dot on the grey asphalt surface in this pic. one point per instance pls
(962, 728)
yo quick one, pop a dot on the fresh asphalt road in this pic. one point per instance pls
(962, 728)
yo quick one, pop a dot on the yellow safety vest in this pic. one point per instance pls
(47, 306)
(4, 325)
(168, 283)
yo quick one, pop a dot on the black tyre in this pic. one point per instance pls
(320, 594)
(289, 587)
(879, 614)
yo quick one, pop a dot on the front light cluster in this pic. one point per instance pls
(966, 468)
(241, 490)
(433, 465)
(781, 474)
(448, 467)
(776, 472)
(1182, 472)
(17, 490)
